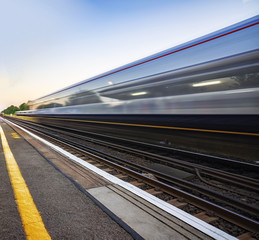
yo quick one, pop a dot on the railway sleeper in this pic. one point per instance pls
(137, 183)
(107, 169)
(177, 203)
(91, 161)
(246, 236)
(121, 176)
(98, 165)
(154, 192)
(206, 218)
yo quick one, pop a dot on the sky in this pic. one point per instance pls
(46, 45)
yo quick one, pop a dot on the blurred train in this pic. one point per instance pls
(209, 83)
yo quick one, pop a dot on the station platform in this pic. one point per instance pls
(47, 193)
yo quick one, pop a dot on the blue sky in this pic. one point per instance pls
(46, 45)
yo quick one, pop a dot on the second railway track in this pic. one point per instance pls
(174, 190)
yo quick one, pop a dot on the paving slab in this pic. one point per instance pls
(146, 219)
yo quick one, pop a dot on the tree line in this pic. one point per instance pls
(12, 109)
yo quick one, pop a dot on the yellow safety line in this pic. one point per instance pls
(31, 219)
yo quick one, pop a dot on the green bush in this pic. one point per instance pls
(12, 109)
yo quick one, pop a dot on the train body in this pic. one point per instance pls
(210, 82)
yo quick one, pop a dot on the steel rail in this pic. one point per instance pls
(246, 182)
(173, 180)
(242, 221)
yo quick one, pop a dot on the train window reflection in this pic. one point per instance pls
(138, 93)
(224, 78)
(191, 85)
(207, 83)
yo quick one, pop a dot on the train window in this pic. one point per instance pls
(209, 82)
(219, 75)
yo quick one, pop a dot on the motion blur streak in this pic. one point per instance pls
(213, 76)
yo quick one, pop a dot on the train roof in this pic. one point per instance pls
(211, 36)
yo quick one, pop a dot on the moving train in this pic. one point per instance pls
(211, 82)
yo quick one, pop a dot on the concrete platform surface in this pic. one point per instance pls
(66, 212)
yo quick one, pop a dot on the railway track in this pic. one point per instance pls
(246, 182)
(164, 186)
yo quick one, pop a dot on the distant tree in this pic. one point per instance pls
(10, 110)
(23, 107)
